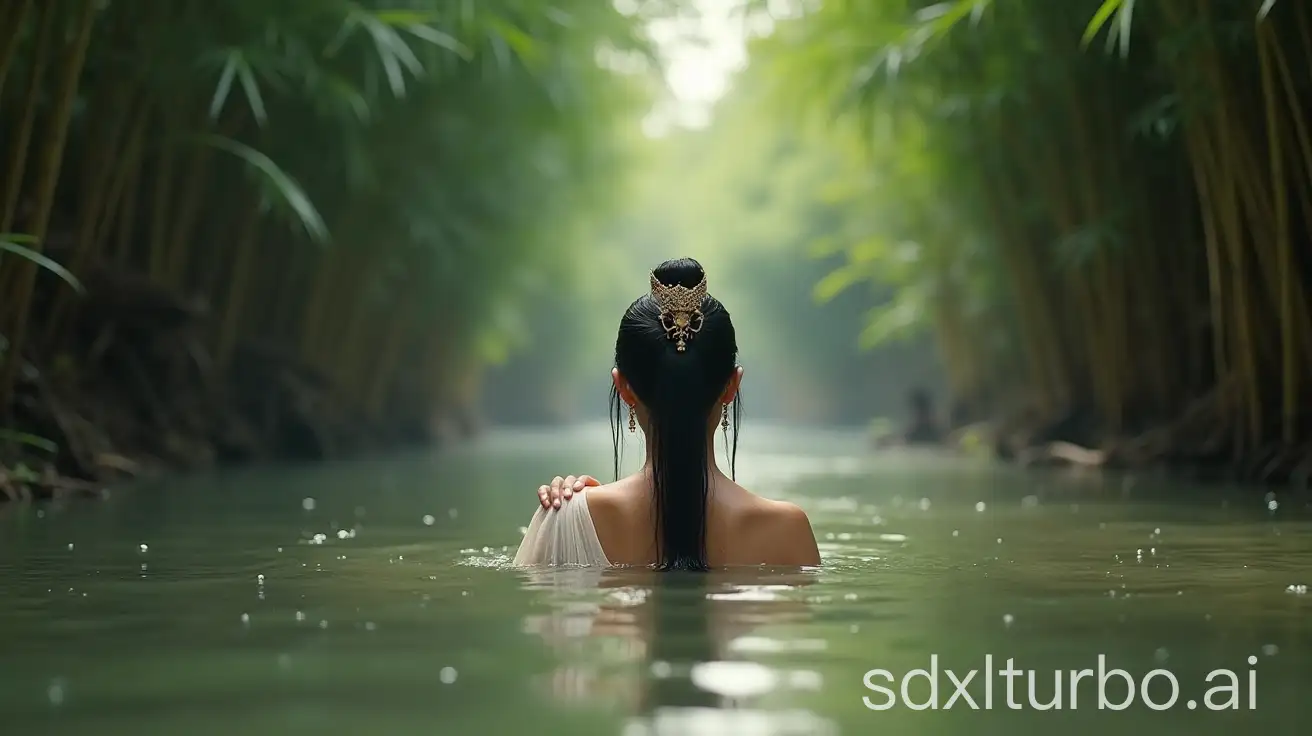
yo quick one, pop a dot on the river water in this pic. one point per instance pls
(373, 598)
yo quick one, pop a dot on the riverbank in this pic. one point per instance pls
(1200, 445)
(132, 390)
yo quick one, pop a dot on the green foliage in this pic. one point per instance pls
(753, 200)
(30, 440)
(407, 165)
(17, 245)
(1083, 228)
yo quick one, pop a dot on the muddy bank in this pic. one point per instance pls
(131, 389)
(1203, 444)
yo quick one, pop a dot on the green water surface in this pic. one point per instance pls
(209, 606)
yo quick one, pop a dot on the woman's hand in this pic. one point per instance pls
(564, 488)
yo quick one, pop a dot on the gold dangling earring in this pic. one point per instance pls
(724, 418)
(633, 421)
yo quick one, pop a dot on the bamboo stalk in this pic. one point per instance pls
(47, 178)
(177, 249)
(162, 204)
(389, 353)
(124, 178)
(13, 20)
(1289, 365)
(95, 200)
(234, 306)
(16, 166)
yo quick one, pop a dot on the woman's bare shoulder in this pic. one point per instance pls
(785, 532)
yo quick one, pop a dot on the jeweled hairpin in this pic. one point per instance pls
(681, 313)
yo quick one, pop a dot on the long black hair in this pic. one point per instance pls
(680, 390)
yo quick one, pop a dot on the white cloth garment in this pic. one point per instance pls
(565, 536)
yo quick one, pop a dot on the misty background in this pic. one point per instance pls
(719, 176)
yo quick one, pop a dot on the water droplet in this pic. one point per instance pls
(447, 675)
(55, 692)
(956, 532)
(307, 503)
(144, 548)
(1270, 650)
(1029, 502)
(259, 579)
(980, 506)
(429, 521)
(245, 618)
(1008, 620)
(924, 504)
(370, 626)
(453, 513)
(70, 546)
(1161, 655)
(300, 615)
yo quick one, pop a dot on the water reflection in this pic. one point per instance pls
(413, 625)
(670, 648)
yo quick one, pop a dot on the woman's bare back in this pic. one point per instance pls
(741, 527)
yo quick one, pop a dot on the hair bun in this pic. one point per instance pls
(685, 272)
(680, 302)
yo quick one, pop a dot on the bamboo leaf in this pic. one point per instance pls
(1100, 18)
(838, 281)
(521, 43)
(31, 440)
(224, 87)
(236, 66)
(893, 321)
(393, 52)
(439, 39)
(252, 89)
(11, 243)
(1126, 18)
(282, 182)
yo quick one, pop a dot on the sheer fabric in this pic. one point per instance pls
(565, 536)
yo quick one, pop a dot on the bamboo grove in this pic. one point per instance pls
(1104, 207)
(360, 185)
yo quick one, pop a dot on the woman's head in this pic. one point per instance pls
(676, 368)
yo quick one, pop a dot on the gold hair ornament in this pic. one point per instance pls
(681, 313)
